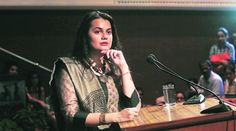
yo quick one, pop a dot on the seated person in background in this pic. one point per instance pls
(210, 80)
(222, 52)
(230, 81)
(37, 99)
(12, 68)
(14, 86)
(36, 91)
(160, 101)
(179, 98)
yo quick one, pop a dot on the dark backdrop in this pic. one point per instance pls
(180, 39)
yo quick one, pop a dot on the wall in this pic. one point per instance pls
(180, 39)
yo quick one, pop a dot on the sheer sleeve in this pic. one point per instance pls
(67, 99)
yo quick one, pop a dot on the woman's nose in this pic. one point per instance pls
(104, 36)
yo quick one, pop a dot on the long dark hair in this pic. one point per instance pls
(82, 43)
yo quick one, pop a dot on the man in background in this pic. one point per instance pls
(210, 80)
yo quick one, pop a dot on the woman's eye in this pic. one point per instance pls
(109, 32)
(96, 32)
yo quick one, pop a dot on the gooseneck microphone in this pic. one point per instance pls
(199, 98)
(196, 99)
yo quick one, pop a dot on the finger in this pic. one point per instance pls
(108, 54)
(113, 54)
(116, 54)
(136, 114)
(104, 51)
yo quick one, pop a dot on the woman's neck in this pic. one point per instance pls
(96, 58)
(98, 63)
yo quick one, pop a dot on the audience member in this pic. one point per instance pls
(160, 101)
(11, 68)
(230, 82)
(37, 99)
(180, 97)
(35, 91)
(210, 80)
(14, 85)
(222, 52)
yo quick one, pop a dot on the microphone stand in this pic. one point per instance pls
(221, 107)
(26, 60)
(197, 98)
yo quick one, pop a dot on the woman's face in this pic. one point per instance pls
(100, 34)
(13, 70)
(221, 38)
(205, 70)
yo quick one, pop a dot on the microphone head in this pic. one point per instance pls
(151, 58)
(152, 55)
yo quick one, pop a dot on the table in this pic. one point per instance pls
(182, 117)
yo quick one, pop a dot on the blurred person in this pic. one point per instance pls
(180, 96)
(210, 80)
(37, 100)
(160, 101)
(222, 52)
(12, 68)
(14, 84)
(35, 91)
(230, 81)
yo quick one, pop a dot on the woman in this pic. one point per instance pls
(230, 82)
(35, 91)
(222, 52)
(93, 90)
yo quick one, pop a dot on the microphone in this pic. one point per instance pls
(221, 107)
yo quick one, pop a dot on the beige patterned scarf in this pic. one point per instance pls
(88, 88)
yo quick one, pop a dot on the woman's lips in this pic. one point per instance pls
(104, 43)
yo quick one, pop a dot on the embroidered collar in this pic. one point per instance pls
(97, 71)
(100, 72)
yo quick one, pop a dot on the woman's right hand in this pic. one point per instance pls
(127, 114)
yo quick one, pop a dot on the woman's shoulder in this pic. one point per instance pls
(68, 60)
(69, 63)
(230, 45)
